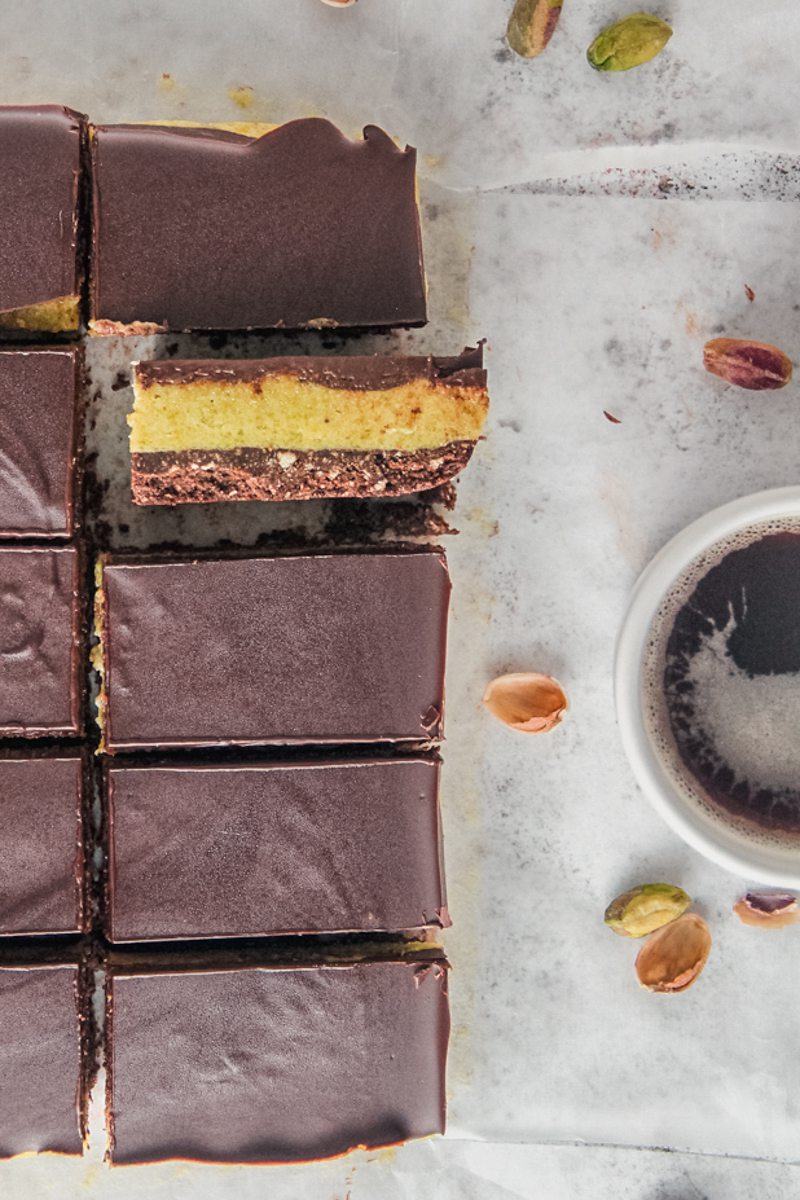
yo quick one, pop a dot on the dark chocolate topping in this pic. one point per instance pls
(38, 431)
(40, 641)
(41, 865)
(250, 850)
(40, 162)
(365, 372)
(40, 1060)
(322, 648)
(203, 476)
(276, 1065)
(207, 229)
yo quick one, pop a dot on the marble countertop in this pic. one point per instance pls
(596, 230)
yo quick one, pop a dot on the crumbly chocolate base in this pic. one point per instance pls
(202, 476)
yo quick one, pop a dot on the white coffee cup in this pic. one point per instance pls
(762, 860)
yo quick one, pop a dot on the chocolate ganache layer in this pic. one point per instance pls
(202, 228)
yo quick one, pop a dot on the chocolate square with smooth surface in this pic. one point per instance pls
(40, 171)
(38, 441)
(204, 228)
(240, 651)
(41, 1068)
(42, 860)
(275, 1065)
(40, 641)
(273, 848)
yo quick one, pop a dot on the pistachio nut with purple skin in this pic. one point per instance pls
(757, 366)
(531, 25)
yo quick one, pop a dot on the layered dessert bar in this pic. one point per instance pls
(41, 150)
(298, 226)
(39, 433)
(300, 428)
(41, 628)
(275, 1063)
(248, 849)
(42, 861)
(44, 1058)
(298, 649)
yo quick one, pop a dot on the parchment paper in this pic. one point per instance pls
(564, 219)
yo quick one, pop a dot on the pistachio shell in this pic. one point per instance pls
(644, 909)
(768, 910)
(527, 701)
(629, 43)
(672, 958)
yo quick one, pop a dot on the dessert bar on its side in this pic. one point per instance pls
(206, 228)
(327, 648)
(302, 428)
(274, 1063)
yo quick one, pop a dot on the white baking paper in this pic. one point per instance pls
(596, 230)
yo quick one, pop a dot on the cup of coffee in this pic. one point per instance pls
(707, 685)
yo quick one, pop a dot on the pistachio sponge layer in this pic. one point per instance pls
(295, 428)
(51, 316)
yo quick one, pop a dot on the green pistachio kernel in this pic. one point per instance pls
(643, 909)
(629, 43)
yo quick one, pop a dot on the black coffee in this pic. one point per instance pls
(731, 677)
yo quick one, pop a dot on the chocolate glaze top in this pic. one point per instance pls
(40, 641)
(40, 1060)
(311, 648)
(276, 1065)
(365, 372)
(41, 867)
(40, 164)
(262, 849)
(38, 430)
(204, 229)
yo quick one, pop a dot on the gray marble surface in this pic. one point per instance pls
(596, 230)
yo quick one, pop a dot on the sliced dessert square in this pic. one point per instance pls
(303, 428)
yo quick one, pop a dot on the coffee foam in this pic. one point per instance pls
(753, 721)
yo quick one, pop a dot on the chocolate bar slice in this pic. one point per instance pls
(250, 849)
(41, 638)
(274, 1063)
(39, 423)
(206, 228)
(41, 148)
(302, 428)
(43, 1059)
(299, 649)
(42, 860)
